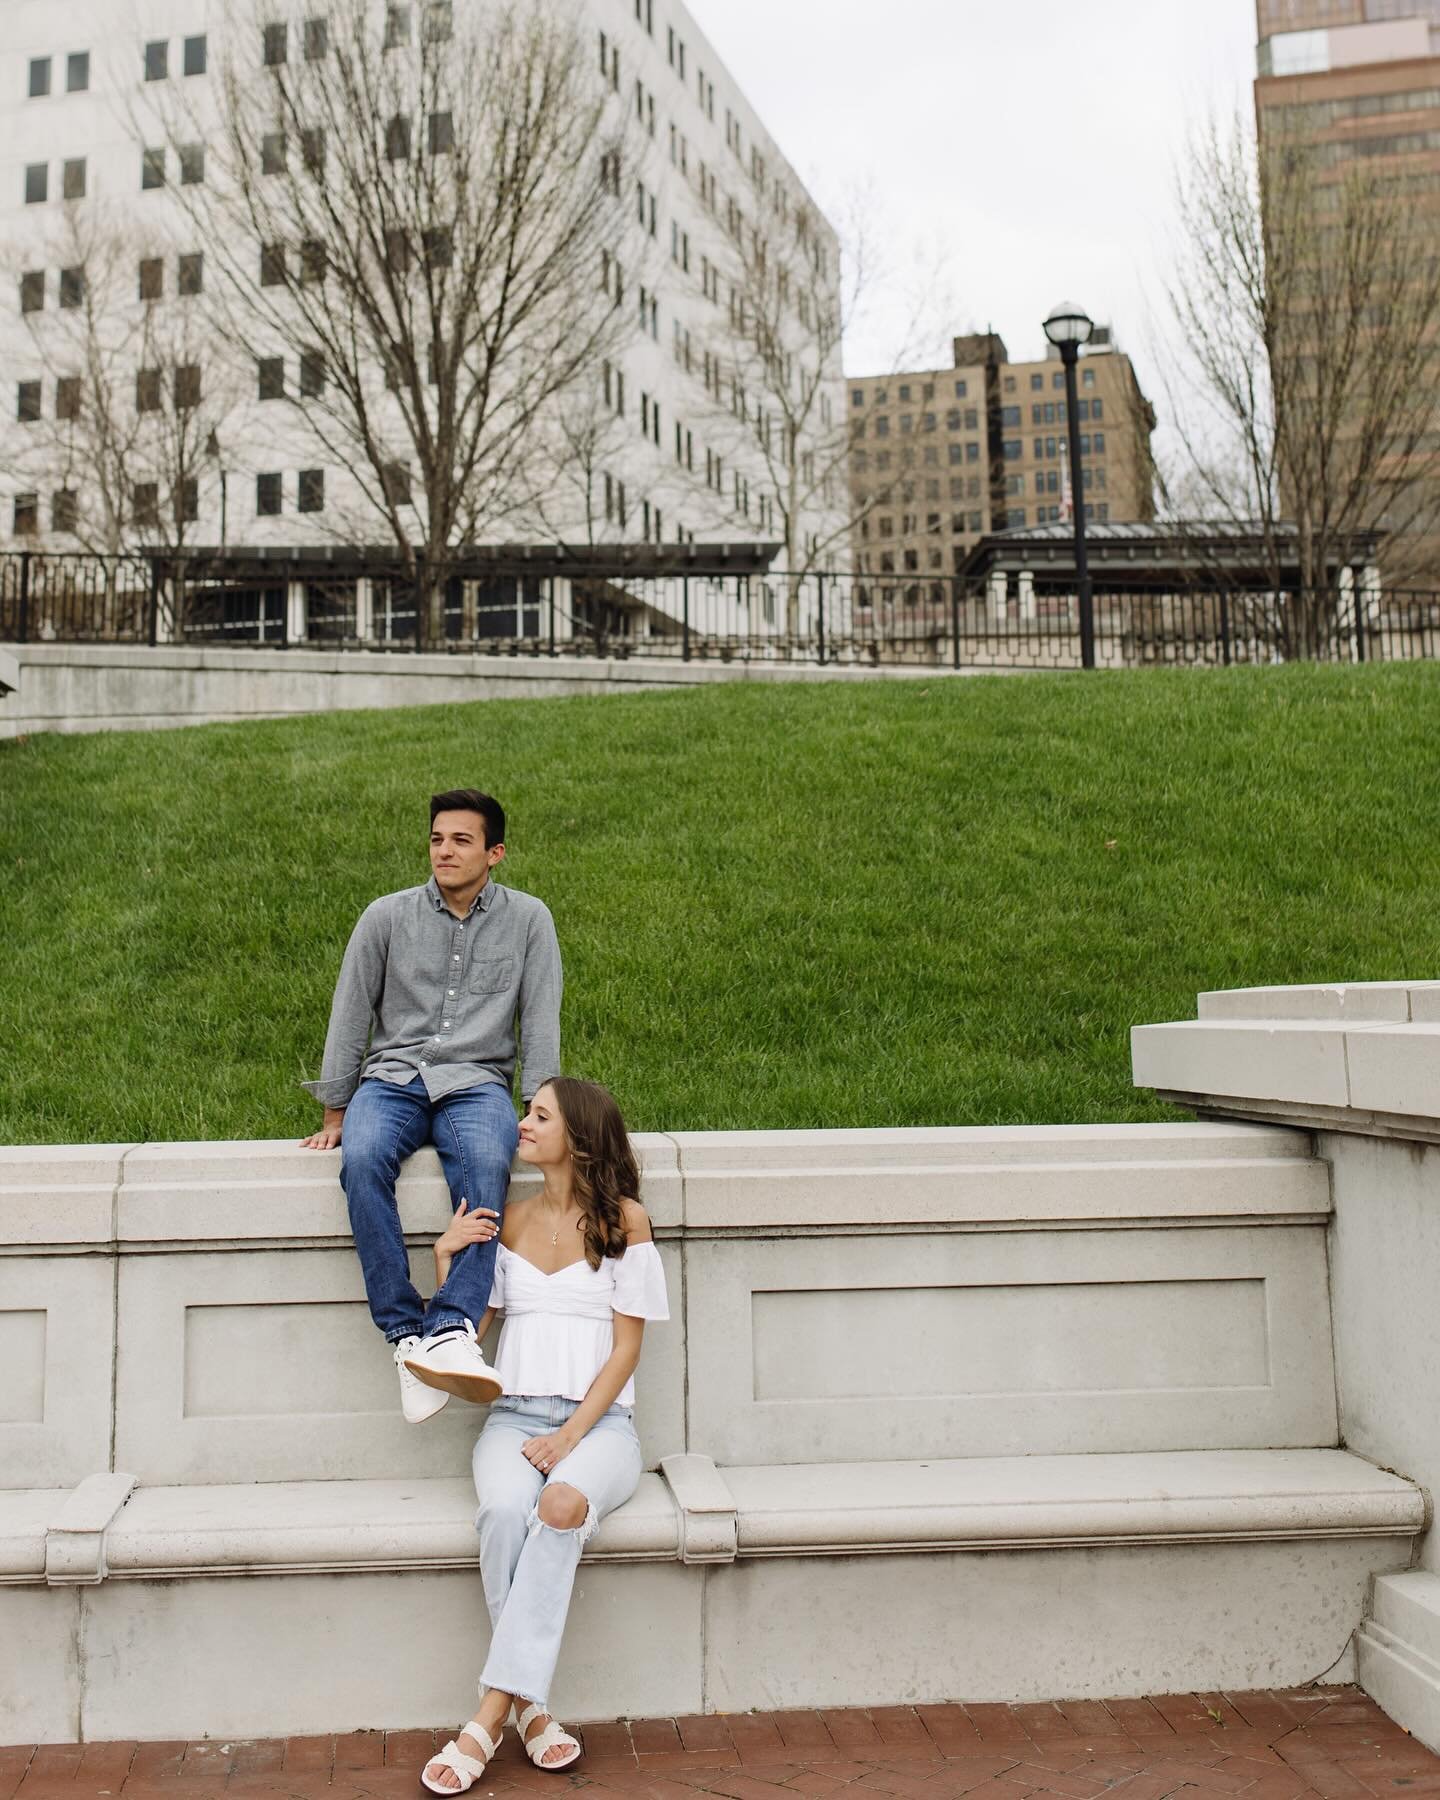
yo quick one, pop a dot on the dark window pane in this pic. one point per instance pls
(272, 153)
(152, 277)
(397, 26)
(312, 150)
(192, 273)
(27, 514)
(192, 164)
(317, 39)
(73, 180)
(32, 291)
(272, 265)
(67, 397)
(187, 386)
(314, 260)
(275, 45)
(439, 247)
(187, 501)
(397, 484)
(397, 252)
(152, 169)
(271, 371)
(147, 390)
(65, 509)
(267, 496)
(195, 55)
(442, 133)
(77, 72)
(39, 77)
(312, 490)
(27, 402)
(157, 60)
(37, 183)
(72, 287)
(439, 20)
(397, 138)
(312, 374)
(145, 502)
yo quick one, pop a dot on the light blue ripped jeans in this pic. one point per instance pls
(528, 1567)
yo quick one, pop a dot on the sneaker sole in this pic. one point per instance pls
(480, 1390)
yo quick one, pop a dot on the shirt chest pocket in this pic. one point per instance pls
(491, 974)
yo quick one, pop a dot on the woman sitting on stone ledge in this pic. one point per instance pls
(576, 1277)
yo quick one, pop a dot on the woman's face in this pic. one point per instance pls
(542, 1133)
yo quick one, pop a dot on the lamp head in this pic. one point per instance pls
(1069, 324)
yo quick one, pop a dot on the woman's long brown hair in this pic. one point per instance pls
(606, 1172)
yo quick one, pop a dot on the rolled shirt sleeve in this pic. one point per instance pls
(541, 987)
(352, 1012)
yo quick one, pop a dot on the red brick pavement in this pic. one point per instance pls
(1330, 1741)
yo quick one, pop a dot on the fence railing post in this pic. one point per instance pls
(1357, 600)
(685, 618)
(820, 616)
(154, 622)
(551, 585)
(1225, 628)
(954, 623)
(24, 632)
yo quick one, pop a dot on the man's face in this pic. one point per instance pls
(458, 853)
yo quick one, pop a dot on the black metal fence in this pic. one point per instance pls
(848, 620)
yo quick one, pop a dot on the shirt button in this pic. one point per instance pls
(447, 1024)
(452, 993)
(424, 1065)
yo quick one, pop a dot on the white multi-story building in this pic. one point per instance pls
(85, 161)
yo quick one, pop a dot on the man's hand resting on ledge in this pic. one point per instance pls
(328, 1136)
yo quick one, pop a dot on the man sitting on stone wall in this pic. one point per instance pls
(421, 1048)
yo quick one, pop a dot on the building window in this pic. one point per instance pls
(196, 55)
(147, 390)
(397, 138)
(397, 484)
(1009, 415)
(27, 515)
(439, 247)
(187, 501)
(1087, 377)
(439, 19)
(39, 77)
(67, 397)
(192, 164)
(271, 373)
(32, 291)
(312, 490)
(77, 72)
(1057, 380)
(152, 278)
(187, 386)
(1037, 383)
(157, 60)
(317, 39)
(64, 510)
(397, 26)
(272, 153)
(275, 47)
(272, 265)
(192, 273)
(312, 150)
(1013, 450)
(1097, 409)
(27, 402)
(267, 496)
(72, 287)
(72, 182)
(442, 133)
(312, 375)
(145, 503)
(152, 169)
(1015, 519)
(37, 183)
(314, 261)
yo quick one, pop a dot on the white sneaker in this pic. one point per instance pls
(416, 1402)
(455, 1364)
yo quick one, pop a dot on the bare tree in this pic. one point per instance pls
(1307, 293)
(408, 231)
(127, 401)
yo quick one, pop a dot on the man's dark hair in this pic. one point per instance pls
(472, 800)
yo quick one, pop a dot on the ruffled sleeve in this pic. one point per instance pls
(640, 1284)
(497, 1286)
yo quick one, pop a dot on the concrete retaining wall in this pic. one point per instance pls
(83, 687)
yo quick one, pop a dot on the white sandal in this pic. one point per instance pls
(468, 1768)
(551, 1738)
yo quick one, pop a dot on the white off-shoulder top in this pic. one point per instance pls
(559, 1329)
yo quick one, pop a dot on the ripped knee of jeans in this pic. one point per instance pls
(566, 1511)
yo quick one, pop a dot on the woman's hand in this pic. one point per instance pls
(545, 1452)
(469, 1226)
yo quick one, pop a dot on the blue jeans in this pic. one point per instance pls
(528, 1567)
(475, 1133)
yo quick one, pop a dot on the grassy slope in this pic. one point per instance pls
(861, 905)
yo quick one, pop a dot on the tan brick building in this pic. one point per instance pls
(940, 458)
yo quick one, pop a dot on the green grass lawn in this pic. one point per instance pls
(942, 903)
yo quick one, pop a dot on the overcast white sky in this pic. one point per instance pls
(1032, 142)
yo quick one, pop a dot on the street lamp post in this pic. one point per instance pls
(1068, 327)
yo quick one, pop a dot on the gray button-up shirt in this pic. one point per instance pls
(431, 995)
